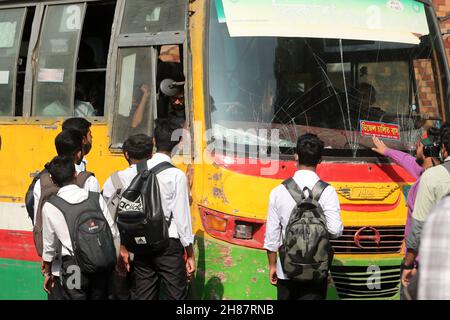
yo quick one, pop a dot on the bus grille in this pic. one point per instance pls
(373, 282)
(390, 240)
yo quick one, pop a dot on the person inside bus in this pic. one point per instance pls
(366, 105)
(427, 156)
(174, 107)
(139, 110)
(83, 108)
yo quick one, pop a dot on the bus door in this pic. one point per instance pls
(149, 51)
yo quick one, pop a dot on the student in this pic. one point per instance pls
(68, 143)
(427, 156)
(281, 205)
(135, 149)
(58, 231)
(434, 185)
(84, 127)
(167, 266)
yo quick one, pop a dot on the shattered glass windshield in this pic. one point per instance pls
(342, 90)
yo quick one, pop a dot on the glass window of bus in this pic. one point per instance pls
(143, 16)
(92, 60)
(134, 107)
(330, 87)
(11, 25)
(57, 54)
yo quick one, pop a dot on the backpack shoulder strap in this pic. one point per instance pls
(318, 189)
(117, 183)
(294, 190)
(82, 178)
(161, 167)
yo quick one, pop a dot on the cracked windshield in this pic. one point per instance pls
(343, 86)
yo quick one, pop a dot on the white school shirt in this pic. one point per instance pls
(174, 196)
(281, 204)
(55, 232)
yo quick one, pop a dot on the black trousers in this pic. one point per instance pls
(294, 290)
(166, 268)
(91, 286)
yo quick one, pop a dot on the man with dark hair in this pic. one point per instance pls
(135, 149)
(427, 156)
(57, 240)
(281, 204)
(168, 265)
(69, 144)
(434, 185)
(84, 127)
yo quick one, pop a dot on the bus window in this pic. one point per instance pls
(22, 61)
(92, 60)
(11, 24)
(57, 53)
(143, 16)
(134, 106)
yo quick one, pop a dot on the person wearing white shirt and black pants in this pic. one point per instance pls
(67, 143)
(167, 266)
(135, 149)
(281, 204)
(56, 236)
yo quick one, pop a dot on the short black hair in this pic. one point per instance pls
(69, 142)
(62, 170)
(309, 149)
(164, 129)
(138, 146)
(79, 124)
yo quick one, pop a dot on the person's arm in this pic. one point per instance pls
(50, 244)
(139, 113)
(181, 210)
(272, 239)
(405, 160)
(332, 211)
(422, 206)
(182, 219)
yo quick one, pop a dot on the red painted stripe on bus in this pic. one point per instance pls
(17, 245)
(331, 172)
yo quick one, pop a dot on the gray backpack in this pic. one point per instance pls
(48, 189)
(92, 240)
(306, 253)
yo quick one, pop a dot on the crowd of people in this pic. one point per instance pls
(78, 224)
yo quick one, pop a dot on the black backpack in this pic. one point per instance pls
(91, 237)
(29, 197)
(306, 253)
(140, 216)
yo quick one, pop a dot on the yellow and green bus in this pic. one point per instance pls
(257, 74)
